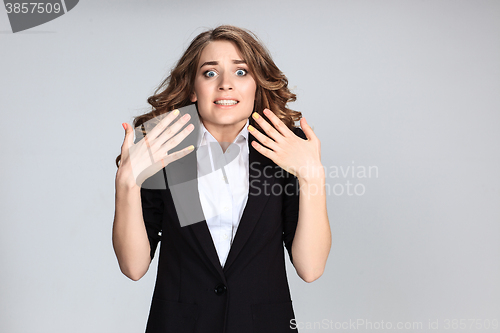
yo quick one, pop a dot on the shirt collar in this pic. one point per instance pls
(206, 136)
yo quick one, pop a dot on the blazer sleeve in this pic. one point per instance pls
(152, 212)
(290, 210)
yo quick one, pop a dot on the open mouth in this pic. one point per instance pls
(226, 102)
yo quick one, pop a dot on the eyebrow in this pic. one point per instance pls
(213, 63)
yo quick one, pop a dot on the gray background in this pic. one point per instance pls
(411, 87)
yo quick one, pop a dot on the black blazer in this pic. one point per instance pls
(193, 293)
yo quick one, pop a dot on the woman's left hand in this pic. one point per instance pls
(299, 157)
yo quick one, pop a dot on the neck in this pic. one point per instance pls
(224, 134)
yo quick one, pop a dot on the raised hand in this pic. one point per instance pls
(299, 157)
(145, 158)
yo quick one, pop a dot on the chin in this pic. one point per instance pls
(228, 122)
(225, 117)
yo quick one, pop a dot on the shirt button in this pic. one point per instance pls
(226, 209)
(224, 236)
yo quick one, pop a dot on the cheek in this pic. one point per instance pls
(203, 92)
(198, 92)
(251, 90)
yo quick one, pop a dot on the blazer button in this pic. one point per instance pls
(220, 289)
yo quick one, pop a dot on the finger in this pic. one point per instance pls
(173, 129)
(128, 140)
(173, 142)
(278, 123)
(163, 122)
(177, 155)
(308, 131)
(264, 151)
(274, 134)
(266, 141)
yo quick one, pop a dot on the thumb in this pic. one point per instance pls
(129, 138)
(129, 134)
(308, 131)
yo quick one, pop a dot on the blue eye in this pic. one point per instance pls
(210, 74)
(241, 72)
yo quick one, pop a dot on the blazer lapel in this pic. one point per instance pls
(192, 205)
(258, 193)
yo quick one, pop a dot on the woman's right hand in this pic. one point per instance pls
(148, 156)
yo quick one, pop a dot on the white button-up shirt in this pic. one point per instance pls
(223, 186)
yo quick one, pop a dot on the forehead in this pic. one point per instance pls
(220, 50)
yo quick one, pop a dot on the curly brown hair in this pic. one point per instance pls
(272, 85)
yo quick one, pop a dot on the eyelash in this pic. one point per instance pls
(242, 69)
(211, 70)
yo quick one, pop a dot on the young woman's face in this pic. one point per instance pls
(223, 88)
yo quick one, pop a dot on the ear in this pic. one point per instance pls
(193, 97)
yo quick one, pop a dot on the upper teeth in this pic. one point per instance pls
(226, 102)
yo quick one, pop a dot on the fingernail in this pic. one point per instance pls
(176, 112)
(255, 115)
(191, 147)
(124, 126)
(251, 128)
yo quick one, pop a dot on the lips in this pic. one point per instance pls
(226, 102)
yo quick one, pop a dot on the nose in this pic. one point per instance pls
(225, 82)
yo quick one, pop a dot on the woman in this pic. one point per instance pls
(226, 273)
